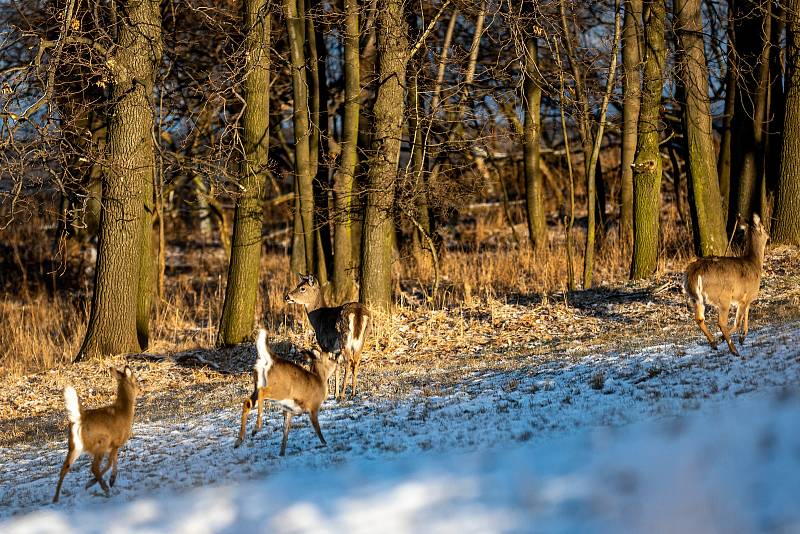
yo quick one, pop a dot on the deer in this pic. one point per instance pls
(294, 388)
(723, 282)
(340, 330)
(100, 431)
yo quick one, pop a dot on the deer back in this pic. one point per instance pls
(289, 383)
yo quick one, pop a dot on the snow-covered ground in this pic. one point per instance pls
(671, 438)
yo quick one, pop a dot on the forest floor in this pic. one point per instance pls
(556, 408)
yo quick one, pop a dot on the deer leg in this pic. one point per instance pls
(113, 456)
(723, 325)
(746, 324)
(700, 317)
(287, 424)
(354, 372)
(737, 323)
(103, 471)
(314, 415)
(246, 407)
(346, 365)
(72, 455)
(260, 406)
(336, 378)
(97, 474)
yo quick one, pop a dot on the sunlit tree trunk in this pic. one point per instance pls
(786, 228)
(238, 311)
(534, 188)
(698, 135)
(647, 165)
(632, 88)
(376, 263)
(127, 188)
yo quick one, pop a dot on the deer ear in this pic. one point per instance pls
(310, 279)
(756, 219)
(128, 371)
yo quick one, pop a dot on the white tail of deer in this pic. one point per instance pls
(100, 431)
(340, 330)
(723, 282)
(295, 389)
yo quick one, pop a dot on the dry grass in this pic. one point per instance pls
(500, 307)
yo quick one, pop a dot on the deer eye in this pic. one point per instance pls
(302, 290)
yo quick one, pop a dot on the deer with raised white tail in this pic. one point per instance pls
(294, 388)
(723, 282)
(340, 330)
(100, 431)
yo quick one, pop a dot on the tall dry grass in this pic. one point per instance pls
(45, 317)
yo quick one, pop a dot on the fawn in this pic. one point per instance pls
(722, 282)
(100, 431)
(340, 330)
(294, 388)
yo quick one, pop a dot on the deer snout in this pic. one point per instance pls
(288, 299)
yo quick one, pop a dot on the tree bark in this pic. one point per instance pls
(698, 136)
(376, 263)
(647, 165)
(632, 88)
(238, 311)
(345, 175)
(751, 44)
(786, 228)
(302, 161)
(534, 188)
(127, 181)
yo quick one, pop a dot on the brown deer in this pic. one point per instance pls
(100, 431)
(722, 282)
(340, 330)
(295, 389)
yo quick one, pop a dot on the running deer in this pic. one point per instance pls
(295, 389)
(722, 282)
(341, 330)
(100, 431)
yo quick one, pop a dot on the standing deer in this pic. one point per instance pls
(722, 282)
(341, 330)
(100, 431)
(295, 389)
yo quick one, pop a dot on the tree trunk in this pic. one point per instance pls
(302, 162)
(127, 182)
(376, 263)
(698, 136)
(632, 88)
(647, 165)
(751, 45)
(724, 157)
(345, 175)
(534, 188)
(786, 228)
(238, 311)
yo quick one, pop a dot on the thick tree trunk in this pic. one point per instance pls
(127, 182)
(238, 311)
(698, 135)
(724, 157)
(647, 166)
(786, 228)
(302, 146)
(632, 88)
(751, 44)
(345, 175)
(376, 263)
(534, 188)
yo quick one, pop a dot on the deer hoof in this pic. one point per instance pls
(741, 340)
(238, 443)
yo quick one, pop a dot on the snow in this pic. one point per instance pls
(669, 438)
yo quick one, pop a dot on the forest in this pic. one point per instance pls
(506, 205)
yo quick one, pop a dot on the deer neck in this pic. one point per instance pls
(126, 398)
(318, 303)
(758, 245)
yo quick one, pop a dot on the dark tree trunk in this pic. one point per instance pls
(632, 88)
(534, 188)
(238, 311)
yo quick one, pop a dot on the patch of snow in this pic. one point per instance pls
(538, 449)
